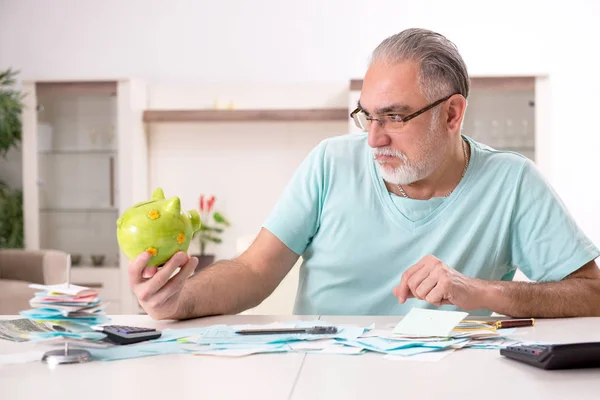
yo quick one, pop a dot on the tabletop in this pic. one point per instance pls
(468, 373)
(464, 374)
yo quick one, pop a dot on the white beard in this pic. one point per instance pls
(408, 172)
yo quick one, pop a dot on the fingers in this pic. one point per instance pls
(162, 276)
(402, 291)
(425, 286)
(415, 280)
(137, 267)
(149, 272)
(176, 283)
(436, 296)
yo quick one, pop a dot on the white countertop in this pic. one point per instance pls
(465, 374)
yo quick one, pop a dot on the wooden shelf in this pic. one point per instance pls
(356, 84)
(79, 210)
(78, 152)
(325, 114)
(76, 87)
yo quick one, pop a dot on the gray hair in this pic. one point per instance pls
(442, 70)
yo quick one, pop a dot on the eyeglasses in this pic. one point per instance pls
(392, 121)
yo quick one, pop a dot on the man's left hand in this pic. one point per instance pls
(436, 283)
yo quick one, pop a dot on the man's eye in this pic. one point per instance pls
(394, 117)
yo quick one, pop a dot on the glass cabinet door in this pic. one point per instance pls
(77, 174)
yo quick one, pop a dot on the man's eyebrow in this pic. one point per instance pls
(392, 108)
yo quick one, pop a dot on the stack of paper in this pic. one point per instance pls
(223, 340)
(423, 324)
(66, 303)
(422, 336)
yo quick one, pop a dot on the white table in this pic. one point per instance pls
(465, 374)
(165, 377)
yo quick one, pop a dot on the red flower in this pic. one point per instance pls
(210, 202)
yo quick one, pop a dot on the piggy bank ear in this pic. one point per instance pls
(158, 194)
(195, 220)
(173, 205)
(119, 222)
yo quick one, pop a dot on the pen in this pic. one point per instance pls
(316, 330)
(514, 323)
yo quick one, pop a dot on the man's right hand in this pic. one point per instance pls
(158, 295)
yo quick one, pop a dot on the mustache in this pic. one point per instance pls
(387, 151)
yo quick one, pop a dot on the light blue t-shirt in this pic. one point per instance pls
(357, 239)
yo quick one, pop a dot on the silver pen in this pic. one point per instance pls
(314, 330)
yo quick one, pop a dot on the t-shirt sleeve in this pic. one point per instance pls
(546, 243)
(295, 217)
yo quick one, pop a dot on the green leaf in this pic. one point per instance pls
(11, 106)
(218, 217)
(11, 217)
(211, 238)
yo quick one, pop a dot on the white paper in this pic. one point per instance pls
(382, 333)
(237, 352)
(73, 290)
(424, 322)
(313, 344)
(338, 349)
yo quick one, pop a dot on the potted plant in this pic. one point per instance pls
(11, 200)
(212, 225)
(11, 106)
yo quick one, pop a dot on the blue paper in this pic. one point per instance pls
(174, 334)
(136, 351)
(91, 335)
(390, 346)
(411, 351)
(48, 314)
(224, 334)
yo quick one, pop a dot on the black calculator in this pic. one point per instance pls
(123, 334)
(556, 356)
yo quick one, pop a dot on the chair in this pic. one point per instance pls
(20, 267)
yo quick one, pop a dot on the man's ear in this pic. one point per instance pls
(456, 107)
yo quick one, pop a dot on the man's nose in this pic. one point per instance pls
(377, 136)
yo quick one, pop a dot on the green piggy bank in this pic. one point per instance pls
(157, 226)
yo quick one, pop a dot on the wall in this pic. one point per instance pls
(245, 165)
(264, 41)
(276, 42)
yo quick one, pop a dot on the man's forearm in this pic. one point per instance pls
(566, 298)
(226, 287)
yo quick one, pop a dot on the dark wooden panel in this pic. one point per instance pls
(356, 84)
(499, 83)
(326, 114)
(504, 83)
(77, 87)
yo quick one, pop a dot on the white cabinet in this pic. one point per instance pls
(500, 112)
(106, 280)
(84, 162)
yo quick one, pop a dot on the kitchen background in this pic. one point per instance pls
(535, 91)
